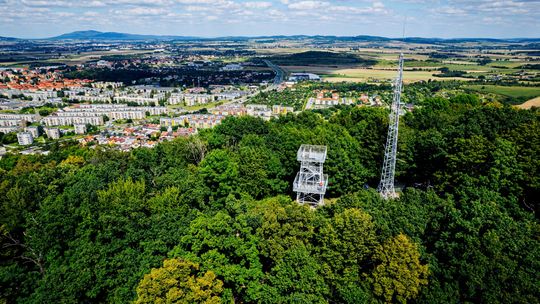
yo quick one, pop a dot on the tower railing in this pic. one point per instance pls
(310, 182)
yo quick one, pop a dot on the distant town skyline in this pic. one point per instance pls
(216, 18)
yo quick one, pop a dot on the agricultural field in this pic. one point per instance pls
(535, 102)
(422, 64)
(509, 91)
(362, 74)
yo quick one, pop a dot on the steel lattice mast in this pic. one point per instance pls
(386, 186)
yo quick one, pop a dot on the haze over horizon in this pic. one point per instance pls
(218, 18)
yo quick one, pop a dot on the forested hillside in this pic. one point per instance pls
(211, 219)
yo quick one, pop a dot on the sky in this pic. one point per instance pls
(218, 18)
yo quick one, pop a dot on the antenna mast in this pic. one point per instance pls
(386, 186)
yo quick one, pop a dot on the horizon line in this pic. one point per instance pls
(273, 35)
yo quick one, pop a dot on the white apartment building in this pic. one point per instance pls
(113, 111)
(93, 107)
(52, 133)
(25, 138)
(10, 92)
(198, 121)
(176, 98)
(84, 98)
(137, 99)
(230, 95)
(33, 130)
(74, 92)
(154, 110)
(229, 110)
(10, 122)
(108, 84)
(196, 99)
(54, 120)
(114, 115)
(232, 67)
(82, 114)
(25, 117)
(80, 128)
(7, 130)
(258, 110)
(40, 95)
(192, 99)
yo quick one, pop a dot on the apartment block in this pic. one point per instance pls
(25, 138)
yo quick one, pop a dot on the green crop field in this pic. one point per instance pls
(509, 91)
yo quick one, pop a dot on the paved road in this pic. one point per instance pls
(279, 79)
(280, 73)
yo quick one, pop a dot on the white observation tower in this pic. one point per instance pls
(310, 182)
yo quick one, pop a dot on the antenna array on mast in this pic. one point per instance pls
(386, 185)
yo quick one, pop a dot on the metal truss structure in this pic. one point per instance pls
(310, 182)
(386, 185)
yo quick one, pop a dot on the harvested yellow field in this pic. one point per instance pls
(382, 74)
(535, 102)
(361, 74)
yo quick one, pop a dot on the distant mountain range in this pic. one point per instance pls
(8, 39)
(115, 36)
(96, 35)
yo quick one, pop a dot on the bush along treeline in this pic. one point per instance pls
(211, 219)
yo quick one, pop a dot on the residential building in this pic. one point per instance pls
(10, 122)
(295, 77)
(259, 110)
(25, 117)
(80, 128)
(126, 115)
(327, 99)
(7, 130)
(25, 138)
(84, 98)
(52, 133)
(231, 109)
(281, 110)
(197, 121)
(40, 95)
(232, 67)
(54, 120)
(176, 98)
(137, 99)
(106, 85)
(33, 130)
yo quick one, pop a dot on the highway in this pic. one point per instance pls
(279, 79)
(280, 74)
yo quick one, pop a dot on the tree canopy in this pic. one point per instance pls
(211, 219)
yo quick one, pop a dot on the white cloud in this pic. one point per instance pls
(62, 3)
(257, 5)
(308, 5)
(196, 1)
(440, 17)
(140, 2)
(142, 11)
(449, 10)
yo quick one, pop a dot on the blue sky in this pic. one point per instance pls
(211, 18)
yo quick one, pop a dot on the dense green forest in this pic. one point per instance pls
(210, 218)
(321, 57)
